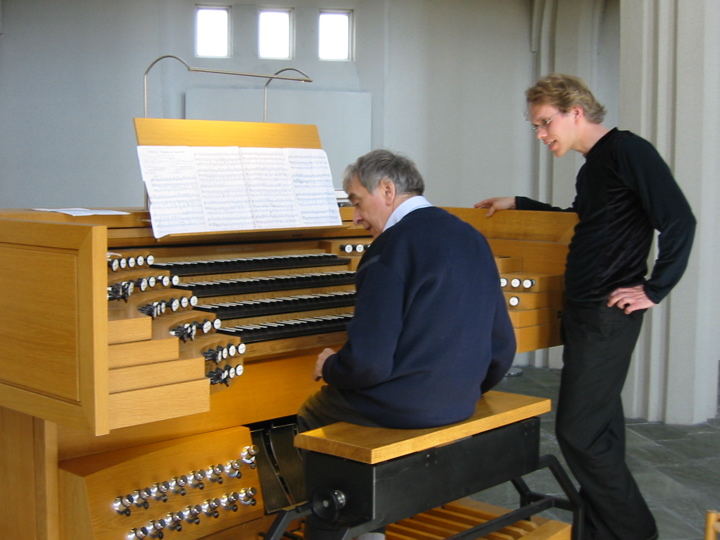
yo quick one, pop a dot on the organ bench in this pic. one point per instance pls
(361, 478)
(137, 401)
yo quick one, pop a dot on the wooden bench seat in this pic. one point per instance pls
(360, 478)
(374, 445)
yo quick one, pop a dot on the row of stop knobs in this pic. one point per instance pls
(516, 283)
(116, 263)
(188, 331)
(192, 514)
(122, 290)
(159, 491)
(159, 307)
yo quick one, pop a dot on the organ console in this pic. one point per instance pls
(131, 393)
(147, 386)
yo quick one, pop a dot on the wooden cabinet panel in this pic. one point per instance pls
(53, 322)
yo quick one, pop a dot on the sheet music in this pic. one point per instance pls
(172, 186)
(201, 189)
(312, 181)
(270, 188)
(222, 193)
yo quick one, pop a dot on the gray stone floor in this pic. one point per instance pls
(676, 467)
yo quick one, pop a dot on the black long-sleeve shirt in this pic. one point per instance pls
(624, 191)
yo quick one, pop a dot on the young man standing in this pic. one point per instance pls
(624, 192)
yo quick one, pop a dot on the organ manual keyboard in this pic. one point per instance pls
(146, 384)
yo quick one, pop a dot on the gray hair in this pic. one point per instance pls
(376, 165)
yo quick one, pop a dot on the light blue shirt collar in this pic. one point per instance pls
(413, 203)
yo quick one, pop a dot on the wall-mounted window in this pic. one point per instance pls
(212, 31)
(275, 34)
(335, 35)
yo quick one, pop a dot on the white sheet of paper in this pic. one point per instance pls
(202, 189)
(84, 211)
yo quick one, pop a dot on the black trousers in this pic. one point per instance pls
(327, 406)
(590, 424)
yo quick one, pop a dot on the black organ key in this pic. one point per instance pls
(251, 333)
(272, 306)
(204, 289)
(250, 264)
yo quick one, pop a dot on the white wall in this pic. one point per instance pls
(445, 80)
(70, 83)
(454, 95)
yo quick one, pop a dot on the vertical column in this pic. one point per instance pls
(667, 95)
(47, 496)
(28, 468)
(542, 46)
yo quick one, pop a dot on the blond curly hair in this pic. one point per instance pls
(564, 92)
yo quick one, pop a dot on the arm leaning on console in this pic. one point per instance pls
(495, 204)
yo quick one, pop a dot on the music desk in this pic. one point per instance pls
(362, 478)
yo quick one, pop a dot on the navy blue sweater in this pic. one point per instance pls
(431, 330)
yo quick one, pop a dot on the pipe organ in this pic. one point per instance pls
(148, 385)
(145, 384)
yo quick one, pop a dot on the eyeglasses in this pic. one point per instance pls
(545, 122)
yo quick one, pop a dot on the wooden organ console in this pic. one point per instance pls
(121, 392)
(145, 384)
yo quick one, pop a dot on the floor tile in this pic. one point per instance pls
(676, 467)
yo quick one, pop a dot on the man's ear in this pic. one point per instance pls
(388, 190)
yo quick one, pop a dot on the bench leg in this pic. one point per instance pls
(573, 503)
(532, 503)
(284, 518)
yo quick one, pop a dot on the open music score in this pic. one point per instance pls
(212, 176)
(194, 189)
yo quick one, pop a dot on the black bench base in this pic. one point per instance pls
(347, 498)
